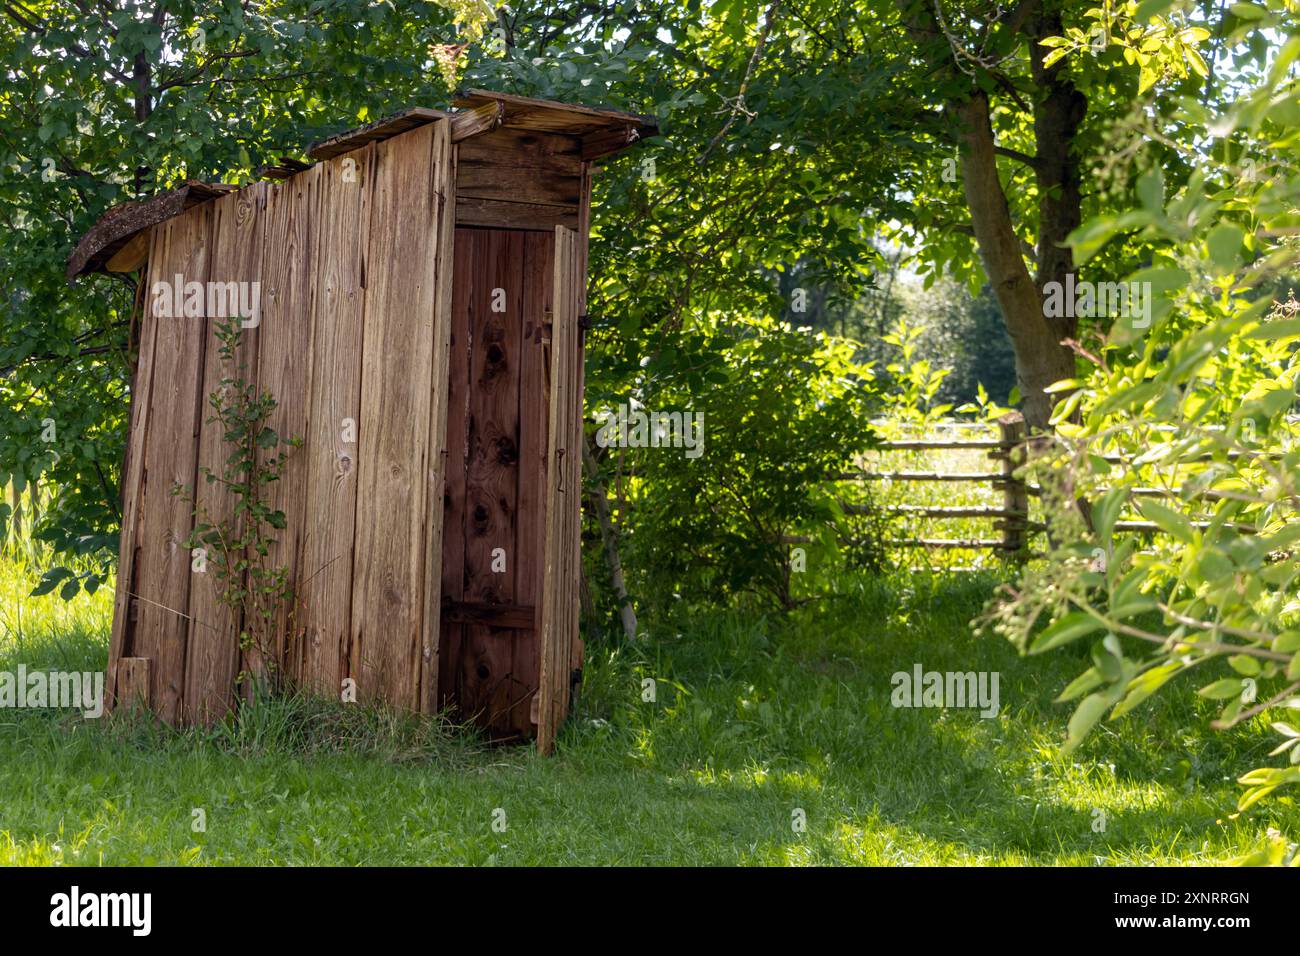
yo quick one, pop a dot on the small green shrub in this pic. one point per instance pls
(783, 411)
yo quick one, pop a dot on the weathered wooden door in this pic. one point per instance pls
(563, 494)
(496, 457)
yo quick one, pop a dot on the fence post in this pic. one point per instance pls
(1015, 494)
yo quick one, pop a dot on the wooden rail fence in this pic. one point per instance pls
(1011, 519)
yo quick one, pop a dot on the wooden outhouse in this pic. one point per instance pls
(418, 315)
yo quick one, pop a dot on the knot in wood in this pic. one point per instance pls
(507, 452)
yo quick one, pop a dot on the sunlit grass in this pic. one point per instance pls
(50, 632)
(770, 741)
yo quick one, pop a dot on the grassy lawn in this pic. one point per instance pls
(755, 719)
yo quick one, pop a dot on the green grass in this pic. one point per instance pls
(754, 719)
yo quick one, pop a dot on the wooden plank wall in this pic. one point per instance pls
(284, 355)
(576, 655)
(515, 187)
(539, 250)
(492, 470)
(124, 602)
(519, 179)
(352, 327)
(325, 592)
(160, 574)
(397, 403)
(458, 391)
(445, 172)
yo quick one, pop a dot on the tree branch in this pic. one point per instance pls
(51, 357)
(739, 102)
(1030, 161)
(28, 25)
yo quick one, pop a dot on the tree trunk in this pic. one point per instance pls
(1041, 359)
(609, 537)
(1058, 113)
(142, 81)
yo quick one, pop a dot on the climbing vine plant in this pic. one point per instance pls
(237, 546)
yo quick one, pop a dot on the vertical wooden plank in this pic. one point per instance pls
(468, 250)
(563, 494)
(284, 354)
(170, 454)
(1015, 494)
(134, 677)
(444, 188)
(570, 583)
(212, 650)
(571, 481)
(397, 356)
(334, 419)
(580, 283)
(533, 415)
(584, 236)
(492, 478)
(133, 471)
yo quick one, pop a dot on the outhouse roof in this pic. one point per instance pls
(600, 132)
(121, 223)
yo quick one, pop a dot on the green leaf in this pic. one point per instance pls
(1287, 641)
(1281, 329)
(1224, 244)
(1088, 680)
(1085, 717)
(1253, 796)
(1106, 511)
(1107, 657)
(1054, 56)
(1063, 386)
(1151, 190)
(1245, 665)
(1146, 684)
(1151, 8)
(1069, 628)
(1096, 232)
(1171, 522)
(1222, 689)
(1140, 604)
(1147, 78)
(1163, 279)
(1248, 11)
(50, 580)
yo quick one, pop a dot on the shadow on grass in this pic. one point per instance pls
(768, 740)
(753, 708)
